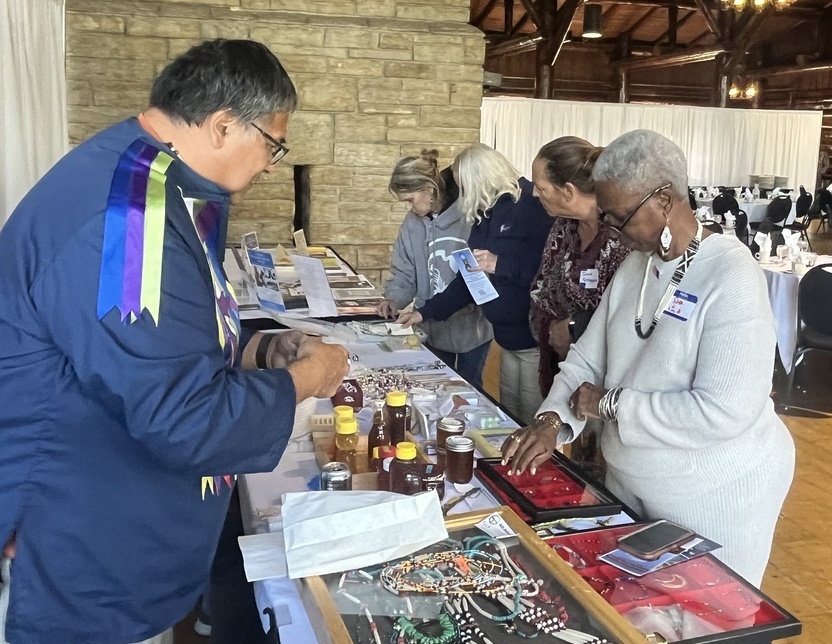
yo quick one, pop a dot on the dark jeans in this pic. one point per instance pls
(233, 612)
(469, 365)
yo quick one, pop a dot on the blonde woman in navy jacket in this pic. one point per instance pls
(509, 230)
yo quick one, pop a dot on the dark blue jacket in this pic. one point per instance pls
(516, 233)
(107, 427)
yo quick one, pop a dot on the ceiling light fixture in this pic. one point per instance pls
(756, 5)
(592, 21)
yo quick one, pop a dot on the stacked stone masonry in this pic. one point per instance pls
(377, 80)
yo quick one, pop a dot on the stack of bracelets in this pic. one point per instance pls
(608, 405)
(480, 566)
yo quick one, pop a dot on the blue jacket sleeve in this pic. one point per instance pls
(167, 383)
(443, 305)
(521, 268)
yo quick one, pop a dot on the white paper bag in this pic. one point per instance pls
(328, 532)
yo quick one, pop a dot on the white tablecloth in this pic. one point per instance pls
(756, 211)
(782, 295)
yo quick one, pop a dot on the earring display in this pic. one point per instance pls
(468, 589)
(696, 598)
(556, 490)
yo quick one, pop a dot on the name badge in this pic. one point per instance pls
(681, 305)
(589, 278)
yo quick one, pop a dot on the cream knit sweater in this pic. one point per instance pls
(695, 411)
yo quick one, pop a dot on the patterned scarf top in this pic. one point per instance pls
(556, 290)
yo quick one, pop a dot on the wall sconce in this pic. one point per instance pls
(592, 21)
(743, 90)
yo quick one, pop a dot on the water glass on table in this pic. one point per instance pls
(782, 253)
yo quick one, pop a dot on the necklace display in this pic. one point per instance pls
(678, 274)
(480, 567)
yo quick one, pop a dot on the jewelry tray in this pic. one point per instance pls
(698, 595)
(556, 490)
(337, 602)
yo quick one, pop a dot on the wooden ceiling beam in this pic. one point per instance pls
(483, 14)
(533, 13)
(789, 70)
(697, 39)
(641, 20)
(681, 21)
(710, 18)
(684, 57)
(508, 16)
(744, 39)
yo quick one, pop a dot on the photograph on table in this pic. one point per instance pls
(471, 588)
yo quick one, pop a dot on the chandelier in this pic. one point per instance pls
(756, 5)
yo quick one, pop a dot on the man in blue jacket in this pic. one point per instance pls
(125, 410)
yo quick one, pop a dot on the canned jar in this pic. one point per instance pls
(447, 427)
(459, 459)
(336, 476)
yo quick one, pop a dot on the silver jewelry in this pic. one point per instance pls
(666, 239)
(679, 273)
(608, 405)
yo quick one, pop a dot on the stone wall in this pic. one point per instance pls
(377, 79)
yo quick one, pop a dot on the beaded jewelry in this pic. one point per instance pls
(407, 629)
(479, 566)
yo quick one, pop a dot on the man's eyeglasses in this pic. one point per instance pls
(608, 219)
(280, 150)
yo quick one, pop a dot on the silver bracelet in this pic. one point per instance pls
(608, 405)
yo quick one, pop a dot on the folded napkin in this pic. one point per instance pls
(749, 196)
(703, 213)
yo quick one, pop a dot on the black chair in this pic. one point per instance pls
(726, 202)
(712, 225)
(821, 208)
(814, 314)
(802, 217)
(741, 226)
(777, 212)
(692, 200)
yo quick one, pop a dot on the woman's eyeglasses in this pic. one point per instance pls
(608, 219)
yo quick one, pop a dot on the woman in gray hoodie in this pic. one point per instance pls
(421, 265)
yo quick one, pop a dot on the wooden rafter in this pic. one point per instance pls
(699, 37)
(483, 14)
(508, 16)
(681, 21)
(710, 18)
(641, 20)
(533, 13)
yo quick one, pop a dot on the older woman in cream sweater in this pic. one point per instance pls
(677, 361)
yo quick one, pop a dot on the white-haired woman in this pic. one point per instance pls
(677, 361)
(510, 227)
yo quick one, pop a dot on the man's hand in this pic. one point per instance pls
(529, 447)
(277, 350)
(486, 260)
(319, 369)
(585, 399)
(387, 309)
(559, 338)
(408, 319)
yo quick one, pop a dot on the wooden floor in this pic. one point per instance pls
(799, 575)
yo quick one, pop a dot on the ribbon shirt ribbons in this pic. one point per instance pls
(134, 231)
(206, 216)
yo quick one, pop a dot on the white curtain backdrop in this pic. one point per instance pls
(723, 146)
(32, 95)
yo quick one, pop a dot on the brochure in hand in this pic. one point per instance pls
(637, 567)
